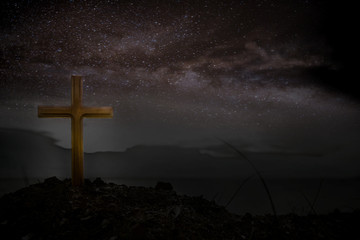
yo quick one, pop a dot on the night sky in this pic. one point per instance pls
(268, 76)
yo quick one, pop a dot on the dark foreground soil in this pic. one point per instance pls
(56, 210)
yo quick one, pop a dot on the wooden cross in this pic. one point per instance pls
(76, 112)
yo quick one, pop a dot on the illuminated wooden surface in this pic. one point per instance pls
(76, 112)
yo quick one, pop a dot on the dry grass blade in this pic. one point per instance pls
(238, 190)
(312, 204)
(256, 171)
(309, 203)
(317, 193)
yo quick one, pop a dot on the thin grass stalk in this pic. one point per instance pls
(317, 193)
(310, 204)
(238, 190)
(257, 173)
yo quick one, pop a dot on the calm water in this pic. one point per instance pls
(288, 194)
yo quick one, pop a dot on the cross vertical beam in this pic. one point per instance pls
(76, 112)
(77, 142)
(77, 151)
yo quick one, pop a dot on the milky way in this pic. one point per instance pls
(177, 72)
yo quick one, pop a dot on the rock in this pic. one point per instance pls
(164, 186)
(87, 182)
(99, 182)
(52, 181)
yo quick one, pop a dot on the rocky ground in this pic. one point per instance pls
(56, 210)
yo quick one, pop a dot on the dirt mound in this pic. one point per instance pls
(98, 210)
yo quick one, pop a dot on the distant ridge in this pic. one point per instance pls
(36, 154)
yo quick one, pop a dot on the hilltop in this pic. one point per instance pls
(54, 209)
